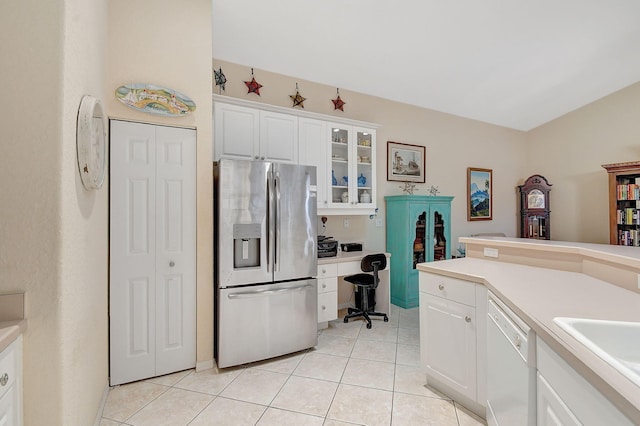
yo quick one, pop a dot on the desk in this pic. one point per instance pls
(335, 293)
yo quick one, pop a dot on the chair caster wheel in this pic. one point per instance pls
(368, 325)
(386, 318)
(346, 320)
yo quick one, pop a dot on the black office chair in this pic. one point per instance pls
(367, 284)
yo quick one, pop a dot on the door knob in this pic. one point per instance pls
(172, 263)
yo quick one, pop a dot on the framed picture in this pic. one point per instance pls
(405, 163)
(479, 194)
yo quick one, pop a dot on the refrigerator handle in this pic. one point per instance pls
(277, 228)
(270, 221)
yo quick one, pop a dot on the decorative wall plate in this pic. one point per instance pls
(156, 100)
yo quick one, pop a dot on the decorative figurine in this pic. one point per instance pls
(433, 190)
(362, 180)
(408, 188)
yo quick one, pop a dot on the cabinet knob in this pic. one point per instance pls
(172, 263)
(324, 286)
(326, 202)
(467, 318)
(256, 157)
(4, 379)
(518, 342)
(324, 271)
(262, 158)
(324, 308)
(440, 287)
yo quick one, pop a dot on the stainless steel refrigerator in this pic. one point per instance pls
(265, 260)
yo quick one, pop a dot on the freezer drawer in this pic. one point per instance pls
(264, 321)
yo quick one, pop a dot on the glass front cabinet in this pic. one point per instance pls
(418, 230)
(352, 167)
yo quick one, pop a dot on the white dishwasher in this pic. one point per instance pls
(511, 367)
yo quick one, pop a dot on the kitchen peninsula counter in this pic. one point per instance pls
(572, 285)
(12, 321)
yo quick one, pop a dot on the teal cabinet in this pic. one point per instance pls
(418, 230)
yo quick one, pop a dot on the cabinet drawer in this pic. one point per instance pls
(8, 366)
(448, 288)
(327, 284)
(328, 270)
(327, 306)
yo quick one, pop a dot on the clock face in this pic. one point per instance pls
(535, 199)
(90, 139)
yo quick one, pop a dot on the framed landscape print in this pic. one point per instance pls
(479, 194)
(405, 163)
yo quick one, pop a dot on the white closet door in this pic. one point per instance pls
(175, 249)
(152, 223)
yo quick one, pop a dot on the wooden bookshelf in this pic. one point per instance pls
(624, 203)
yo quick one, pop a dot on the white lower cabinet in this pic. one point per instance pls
(11, 384)
(552, 411)
(327, 293)
(566, 398)
(452, 337)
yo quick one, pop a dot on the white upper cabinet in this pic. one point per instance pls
(340, 148)
(252, 134)
(237, 132)
(352, 172)
(312, 135)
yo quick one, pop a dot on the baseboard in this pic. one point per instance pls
(205, 365)
(103, 401)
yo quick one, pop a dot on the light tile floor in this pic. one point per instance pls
(354, 376)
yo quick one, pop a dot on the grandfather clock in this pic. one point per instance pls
(534, 208)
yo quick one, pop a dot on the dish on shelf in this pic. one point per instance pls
(338, 158)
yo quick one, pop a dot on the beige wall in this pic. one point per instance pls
(569, 152)
(453, 144)
(53, 233)
(179, 58)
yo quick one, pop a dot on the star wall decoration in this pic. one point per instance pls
(297, 99)
(220, 78)
(253, 85)
(337, 102)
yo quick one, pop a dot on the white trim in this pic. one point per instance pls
(204, 365)
(103, 401)
(290, 111)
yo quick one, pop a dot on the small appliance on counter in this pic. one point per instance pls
(351, 247)
(327, 246)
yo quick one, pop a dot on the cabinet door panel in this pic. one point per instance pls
(312, 136)
(237, 132)
(278, 137)
(450, 343)
(552, 411)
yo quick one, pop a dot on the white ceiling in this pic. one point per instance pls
(512, 63)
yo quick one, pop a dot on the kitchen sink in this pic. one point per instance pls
(616, 342)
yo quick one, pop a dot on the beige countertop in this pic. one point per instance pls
(12, 321)
(539, 294)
